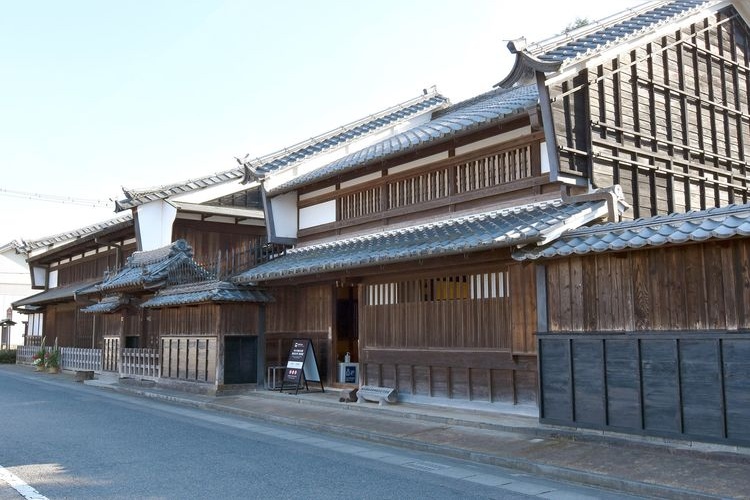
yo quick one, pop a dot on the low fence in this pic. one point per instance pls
(71, 358)
(74, 358)
(133, 362)
(24, 354)
(140, 362)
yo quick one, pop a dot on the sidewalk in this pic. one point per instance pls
(638, 466)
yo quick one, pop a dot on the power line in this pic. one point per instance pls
(52, 198)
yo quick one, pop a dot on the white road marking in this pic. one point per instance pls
(19, 485)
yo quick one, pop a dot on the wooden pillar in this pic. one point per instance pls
(261, 346)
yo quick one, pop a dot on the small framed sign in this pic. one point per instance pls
(301, 365)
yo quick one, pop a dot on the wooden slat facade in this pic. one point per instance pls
(651, 341)
(463, 336)
(301, 312)
(467, 335)
(668, 121)
(695, 287)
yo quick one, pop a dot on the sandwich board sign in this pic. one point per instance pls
(301, 365)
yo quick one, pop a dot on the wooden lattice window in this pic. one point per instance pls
(359, 204)
(490, 285)
(419, 189)
(493, 170)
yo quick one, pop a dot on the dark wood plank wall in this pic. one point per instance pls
(66, 323)
(667, 121)
(301, 312)
(184, 321)
(689, 385)
(209, 239)
(691, 287)
(467, 348)
(90, 267)
(204, 319)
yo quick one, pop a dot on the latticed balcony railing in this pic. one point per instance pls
(237, 260)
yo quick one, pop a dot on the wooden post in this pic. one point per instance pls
(261, 346)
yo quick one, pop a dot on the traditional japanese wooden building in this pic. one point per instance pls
(438, 244)
(390, 241)
(642, 325)
(63, 266)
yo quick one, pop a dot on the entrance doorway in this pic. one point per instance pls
(347, 323)
(240, 359)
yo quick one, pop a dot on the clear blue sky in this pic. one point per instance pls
(97, 94)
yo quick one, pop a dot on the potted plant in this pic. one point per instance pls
(40, 357)
(52, 361)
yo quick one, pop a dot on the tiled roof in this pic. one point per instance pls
(470, 233)
(154, 268)
(550, 55)
(208, 291)
(615, 29)
(479, 112)
(27, 246)
(326, 142)
(108, 304)
(695, 226)
(57, 294)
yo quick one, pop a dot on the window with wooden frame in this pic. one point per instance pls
(489, 285)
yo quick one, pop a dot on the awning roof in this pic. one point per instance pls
(154, 268)
(58, 294)
(107, 305)
(695, 226)
(532, 223)
(209, 291)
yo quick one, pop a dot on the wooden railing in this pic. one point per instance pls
(140, 363)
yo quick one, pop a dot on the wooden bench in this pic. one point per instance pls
(380, 395)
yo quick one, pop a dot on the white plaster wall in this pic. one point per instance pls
(52, 279)
(544, 157)
(284, 209)
(315, 215)
(155, 221)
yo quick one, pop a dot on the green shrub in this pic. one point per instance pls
(8, 356)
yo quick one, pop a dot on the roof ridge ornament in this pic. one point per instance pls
(613, 195)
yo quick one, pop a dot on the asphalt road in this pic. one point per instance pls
(68, 440)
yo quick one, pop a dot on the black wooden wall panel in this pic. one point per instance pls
(588, 376)
(661, 409)
(623, 387)
(690, 385)
(736, 354)
(702, 400)
(556, 382)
